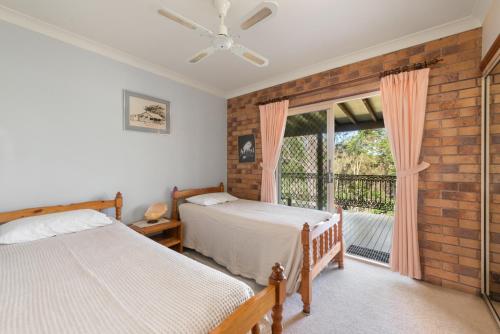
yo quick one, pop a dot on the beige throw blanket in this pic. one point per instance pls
(110, 280)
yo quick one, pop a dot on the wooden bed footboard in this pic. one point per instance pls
(320, 245)
(248, 315)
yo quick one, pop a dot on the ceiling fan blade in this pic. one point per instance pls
(264, 11)
(171, 15)
(249, 55)
(201, 55)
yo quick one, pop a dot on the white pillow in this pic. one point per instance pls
(49, 225)
(211, 199)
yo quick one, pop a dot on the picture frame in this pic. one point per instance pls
(246, 148)
(145, 113)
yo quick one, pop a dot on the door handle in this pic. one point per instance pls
(329, 178)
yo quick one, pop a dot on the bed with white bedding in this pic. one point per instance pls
(111, 279)
(247, 236)
(254, 235)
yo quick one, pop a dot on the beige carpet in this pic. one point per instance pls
(365, 298)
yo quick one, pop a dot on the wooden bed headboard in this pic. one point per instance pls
(182, 194)
(116, 203)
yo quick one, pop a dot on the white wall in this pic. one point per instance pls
(491, 26)
(61, 132)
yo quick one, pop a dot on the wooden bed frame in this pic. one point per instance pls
(116, 203)
(244, 319)
(323, 243)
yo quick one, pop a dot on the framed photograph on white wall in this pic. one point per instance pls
(145, 113)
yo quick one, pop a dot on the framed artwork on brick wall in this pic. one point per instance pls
(246, 148)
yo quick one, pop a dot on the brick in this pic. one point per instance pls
(440, 239)
(461, 232)
(450, 276)
(469, 262)
(461, 196)
(461, 270)
(450, 258)
(461, 251)
(470, 131)
(476, 244)
(438, 220)
(458, 85)
(470, 281)
(431, 279)
(441, 203)
(461, 287)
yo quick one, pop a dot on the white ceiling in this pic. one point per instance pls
(305, 37)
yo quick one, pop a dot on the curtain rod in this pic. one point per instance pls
(396, 70)
(411, 67)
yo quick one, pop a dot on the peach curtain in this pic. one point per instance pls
(272, 128)
(403, 104)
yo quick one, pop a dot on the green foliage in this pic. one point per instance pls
(365, 152)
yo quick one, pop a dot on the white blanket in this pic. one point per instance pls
(248, 237)
(110, 280)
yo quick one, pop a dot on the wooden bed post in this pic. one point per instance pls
(248, 315)
(278, 279)
(306, 282)
(118, 205)
(340, 256)
(174, 203)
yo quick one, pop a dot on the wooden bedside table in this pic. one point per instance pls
(167, 232)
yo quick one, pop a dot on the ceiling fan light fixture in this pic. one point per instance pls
(222, 42)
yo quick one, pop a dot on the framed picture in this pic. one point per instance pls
(145, 113)
(246, 148)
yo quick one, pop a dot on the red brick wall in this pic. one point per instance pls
(449, 207)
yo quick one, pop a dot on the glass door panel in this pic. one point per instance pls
(305, 171)
(492, 214)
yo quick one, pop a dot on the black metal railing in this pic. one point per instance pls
(309, 190)
(365, 191)
(305, 190)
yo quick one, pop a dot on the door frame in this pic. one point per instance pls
(485, 182)
(330, 119)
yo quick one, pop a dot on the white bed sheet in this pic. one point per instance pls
(248, 237)
(110, 280)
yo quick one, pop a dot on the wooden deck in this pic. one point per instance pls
(368, 235)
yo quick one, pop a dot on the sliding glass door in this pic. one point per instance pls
(491, 188)
(305, 170)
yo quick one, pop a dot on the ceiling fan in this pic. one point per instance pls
(222, 40)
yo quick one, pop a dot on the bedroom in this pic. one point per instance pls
(71, 73)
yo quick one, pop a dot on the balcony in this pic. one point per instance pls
(367, 200)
